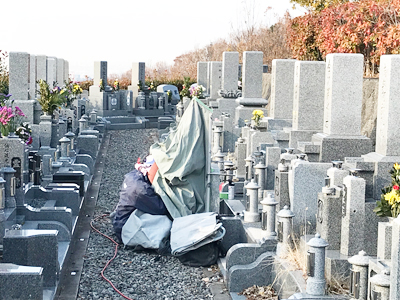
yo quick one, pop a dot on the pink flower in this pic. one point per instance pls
(29, 141)
(19, 111)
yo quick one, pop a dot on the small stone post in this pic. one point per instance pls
(65, 142)
(217, 138)
(161, 102)
(93, 117)
(86, 118)
(285, 229)
(10, 185)
(359, 276)
(141, 100)
(380, 286)
(71, 136)
(268, 215)
(180, 109)
(252, 215)
(47, 165)
(219, 158)
(249, 168)
(82, 125)
(316, 283)
(260, 175)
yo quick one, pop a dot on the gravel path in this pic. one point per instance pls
(139, 275)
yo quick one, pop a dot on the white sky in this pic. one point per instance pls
(125, 31)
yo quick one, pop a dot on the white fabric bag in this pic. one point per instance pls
(146, 230)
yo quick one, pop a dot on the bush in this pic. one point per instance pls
(4, 82)
(369, 27)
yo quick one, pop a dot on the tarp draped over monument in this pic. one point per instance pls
(181, 159)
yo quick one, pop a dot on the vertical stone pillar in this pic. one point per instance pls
(65, 142)
(380, 286)
(19, 75)
(343, 94)
(252, 214)
(32, 77)
(215, 78)
(282, 87)
(202, 74)
(268, 215)
(51, 71)
(359, 276)
(230, 63)
(285, 229)
(316, 283)
(353, 216)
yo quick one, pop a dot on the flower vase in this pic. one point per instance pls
(5, 130)
(391, 219)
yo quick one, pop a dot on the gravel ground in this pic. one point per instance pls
(139, 275)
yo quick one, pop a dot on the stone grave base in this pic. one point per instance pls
(278, 124)
(296, 136)
(243, 113)
(335, 147)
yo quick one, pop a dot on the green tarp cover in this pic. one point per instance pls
(181, 159)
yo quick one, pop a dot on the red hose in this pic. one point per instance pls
(115, 255)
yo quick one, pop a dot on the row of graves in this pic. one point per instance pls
(137, 107)
(304, 179)
(43, 184)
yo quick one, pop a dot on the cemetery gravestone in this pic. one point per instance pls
(19, 75)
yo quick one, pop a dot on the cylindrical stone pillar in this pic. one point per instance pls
(260, 176)
(86, 118)
(65, 143)
(228, 167)
(57, 153)
(82, 125)
(141, 100)
(380, 286)
(268, 215)
(217, 139)
(285, 228)
(93, 117)
(359, 276)
(316, 283)
(219, 158)
(71, 148)
(258, 156)
(161, 102)
(249, 168)
(252, 214)
(180, 109)
(46, 165)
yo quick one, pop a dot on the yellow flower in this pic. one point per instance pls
(396, 166)
(392, 197)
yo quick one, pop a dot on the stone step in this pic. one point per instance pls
(117, 120)
(123, 126)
